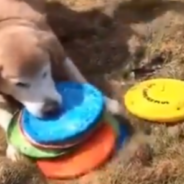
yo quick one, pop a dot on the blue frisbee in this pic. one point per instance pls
(122, 136)
(81, 111)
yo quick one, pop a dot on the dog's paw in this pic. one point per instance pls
(112, 106)
(12, 153)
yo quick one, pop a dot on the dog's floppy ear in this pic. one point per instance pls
(7, 103)
(57, 54)
(1, 79)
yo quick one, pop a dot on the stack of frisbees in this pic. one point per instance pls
(78, 139)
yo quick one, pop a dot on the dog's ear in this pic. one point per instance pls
(1, 78)
(6, 102)
(57, 54)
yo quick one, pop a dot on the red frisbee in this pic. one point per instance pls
(87, 157)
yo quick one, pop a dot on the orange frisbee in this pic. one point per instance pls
(91, 154)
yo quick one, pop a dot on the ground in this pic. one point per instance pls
(116, 43)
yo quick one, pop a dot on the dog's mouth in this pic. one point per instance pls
(54, 113)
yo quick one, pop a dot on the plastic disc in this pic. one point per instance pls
(89, 156)
(59, 146)
(113, 122)
(82, 107)
(18, 140)
(159, 100)
(119, 128)
(123, 135)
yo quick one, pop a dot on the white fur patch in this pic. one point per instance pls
(41, 87)
(12, 153)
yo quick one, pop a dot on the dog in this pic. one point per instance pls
(31, 60)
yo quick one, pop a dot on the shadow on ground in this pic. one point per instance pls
(114, 38)
(102, 41)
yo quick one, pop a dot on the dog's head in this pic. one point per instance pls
(25, 71)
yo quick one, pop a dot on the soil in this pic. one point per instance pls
(117, 43)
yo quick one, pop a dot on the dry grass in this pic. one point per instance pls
(117, 43)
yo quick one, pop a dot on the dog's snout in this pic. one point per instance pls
(50, 107)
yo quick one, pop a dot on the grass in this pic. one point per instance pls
(116, 44)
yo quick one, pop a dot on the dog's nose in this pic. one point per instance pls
(51, 107)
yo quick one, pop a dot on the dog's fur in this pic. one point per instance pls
(31, 59)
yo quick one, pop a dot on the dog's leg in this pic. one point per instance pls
(12, 153)
(5, 119)
(73, 73)
(6, 116)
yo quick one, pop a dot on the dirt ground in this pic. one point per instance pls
(116, 43)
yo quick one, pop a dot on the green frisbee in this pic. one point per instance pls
(17, 139)
(113, 122)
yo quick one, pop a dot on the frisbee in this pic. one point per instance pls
(82, 107)
(18, 140)
(106, 116)
(59, 146)
(159, 100)
(123, 135)
(113, 122)
(119, 128)
(89, 156)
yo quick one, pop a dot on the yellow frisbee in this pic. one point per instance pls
(159, 100)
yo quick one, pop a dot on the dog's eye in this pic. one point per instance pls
(44, 74)
(22, 85)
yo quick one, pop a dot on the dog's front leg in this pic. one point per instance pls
(73, 73)
(5, 119)
(62, 64)
(6, 115)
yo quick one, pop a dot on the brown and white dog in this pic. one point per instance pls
(31, 59)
